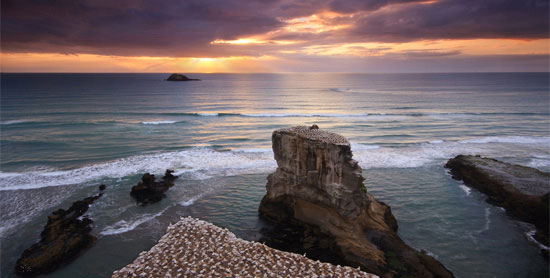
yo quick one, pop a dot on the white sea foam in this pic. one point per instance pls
(123, 226)
(208, 114)
(509, 139)
(418, 155)
(487, 220)
(427, 252)
(327, 115)
(541, 162)
(531, 237)
(192, 200)
(257, 150)
(12, 122)
(202, 163)
(466, 189)
(159, 122)
(357, 147)
(196, 162)
(336, 114)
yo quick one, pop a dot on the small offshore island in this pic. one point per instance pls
(180, 77)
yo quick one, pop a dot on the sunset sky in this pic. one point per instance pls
(274, 36)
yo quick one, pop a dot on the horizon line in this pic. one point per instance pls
(297, 72)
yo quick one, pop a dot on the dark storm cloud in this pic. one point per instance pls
(179, 28)
(448, 19)
(185, 28)
(351, 6)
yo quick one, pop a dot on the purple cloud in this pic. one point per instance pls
(186, 28)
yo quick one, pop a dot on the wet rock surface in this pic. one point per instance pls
(318, 205)
(149, 191)
(180, 77)
(522, 191)
(65, 236)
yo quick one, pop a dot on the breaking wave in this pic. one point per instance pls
(195, 163)
(123, 226)
(159, 122)
(200, 163)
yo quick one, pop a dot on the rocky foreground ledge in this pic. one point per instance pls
(522, 191)
(195, 248)
(319, 206)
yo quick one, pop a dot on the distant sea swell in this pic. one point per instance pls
(157, 120)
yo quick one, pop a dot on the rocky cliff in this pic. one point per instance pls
(317, 196)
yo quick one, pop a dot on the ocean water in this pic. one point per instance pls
(64, 134)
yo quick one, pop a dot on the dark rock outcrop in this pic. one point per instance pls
(66, 234)
(319, 205)
(149, 191)
(180, 77)
(522, 191)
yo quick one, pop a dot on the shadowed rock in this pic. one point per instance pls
(180, 77)
(521, 190)
(65, 235)
(319, 205)
(149, 191)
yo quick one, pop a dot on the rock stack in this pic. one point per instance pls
(149, 191)
(317, 195)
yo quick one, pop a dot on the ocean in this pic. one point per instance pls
(64, 134)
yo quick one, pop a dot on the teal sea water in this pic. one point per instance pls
(64, 134)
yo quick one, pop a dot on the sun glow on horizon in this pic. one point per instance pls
(53, 62)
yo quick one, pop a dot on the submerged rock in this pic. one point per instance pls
(149, 191)
(522, 191)
(319, 205)
(66, 234)
(180, 77)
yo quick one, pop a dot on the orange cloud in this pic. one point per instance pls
(464, 47)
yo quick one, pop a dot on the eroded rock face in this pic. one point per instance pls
(149, 191)
(320, 206)
(521, 190)
(66, 234)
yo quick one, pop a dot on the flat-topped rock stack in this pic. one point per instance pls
(195, 248)
(317, 200)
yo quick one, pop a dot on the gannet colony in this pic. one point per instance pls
(196, 248)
